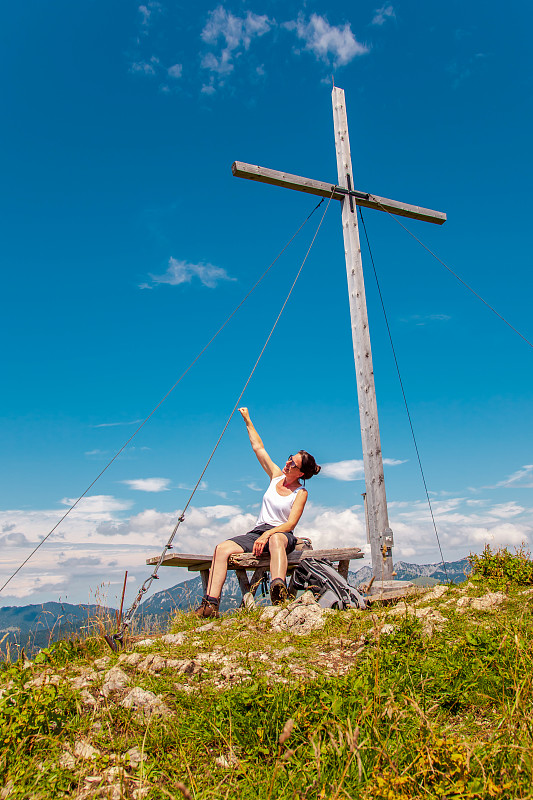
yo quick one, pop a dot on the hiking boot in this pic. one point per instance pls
(278, 591)
(207, 608)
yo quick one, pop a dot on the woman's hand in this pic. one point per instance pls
(259, 544)
(245, 414)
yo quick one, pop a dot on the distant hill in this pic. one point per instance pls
(456, 572)
(36, 626)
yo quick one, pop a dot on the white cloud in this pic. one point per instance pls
(148, 11)
(202, 486)
(14, 539)
(381, 15)
(232, 35)
(522, 478)
(88, 555)
(423, 319)
(145, 14)
(113, 425)
(352, 469)
(235, 31)
(175, 71)
(97, 504)
(254, 487)
(334, 44)
(148, 484)
(179, 272)
(145, 67)
(48, 583)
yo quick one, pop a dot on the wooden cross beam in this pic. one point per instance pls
(322, 189)
(377, 520)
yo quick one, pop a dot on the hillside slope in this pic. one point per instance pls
(429, 698)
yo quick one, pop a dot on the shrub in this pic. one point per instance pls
(501, 566)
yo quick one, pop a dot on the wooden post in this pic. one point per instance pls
(379, 533)
(204, 573)
(378, 522)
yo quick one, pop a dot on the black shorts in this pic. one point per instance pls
(247, 540)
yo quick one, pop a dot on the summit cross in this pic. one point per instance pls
(377, 521)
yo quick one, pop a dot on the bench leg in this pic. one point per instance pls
(204, 574)
(256, 579)
(343, 568)
(244, 583)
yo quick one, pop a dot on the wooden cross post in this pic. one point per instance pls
(379, 532)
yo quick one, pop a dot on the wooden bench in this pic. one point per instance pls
(243, 562)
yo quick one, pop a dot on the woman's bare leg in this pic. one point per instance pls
(219, 566)
(277, 545)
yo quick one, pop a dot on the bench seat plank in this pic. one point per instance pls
(197, 563)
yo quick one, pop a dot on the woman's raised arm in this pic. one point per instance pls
(271, 469)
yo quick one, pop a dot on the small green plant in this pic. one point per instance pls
(501, 566)
(27, 713)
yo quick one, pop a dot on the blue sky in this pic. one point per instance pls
(126, 242)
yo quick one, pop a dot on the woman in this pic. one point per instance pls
(282, 507)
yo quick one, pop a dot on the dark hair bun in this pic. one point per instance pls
(309, 465)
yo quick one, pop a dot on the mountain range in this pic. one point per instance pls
(33, 627)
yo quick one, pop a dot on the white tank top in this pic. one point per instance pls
(275, 509)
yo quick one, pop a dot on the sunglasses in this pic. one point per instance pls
(291, 463)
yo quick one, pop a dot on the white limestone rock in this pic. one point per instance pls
(134, 757)
(488, 601)
(85, 679)
(87, 699)
(228, 761)
(115, 680)
(84, 750)
(174, 638)
(145, 704)
(130, 658)
(434, 594)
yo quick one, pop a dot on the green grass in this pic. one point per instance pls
(413, 716)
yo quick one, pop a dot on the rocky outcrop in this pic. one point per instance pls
(145, 704)
(299, 618)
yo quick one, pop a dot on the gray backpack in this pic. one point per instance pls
(329, 588)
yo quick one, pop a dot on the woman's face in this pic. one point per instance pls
(293, 465)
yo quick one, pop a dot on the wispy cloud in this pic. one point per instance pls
(333, 44)
(352, 469)
(81, 561)
(202, 487)
(423, 319)
(115, 425)
(235, 33)
(229, 43)
(175, 71)
(381, 15)
(521, 479)
(148, 12)
(179, 272)
(148, 484)
(145, 67)
(97, 505)
(463, 68)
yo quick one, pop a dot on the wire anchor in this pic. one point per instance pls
(116, 640)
